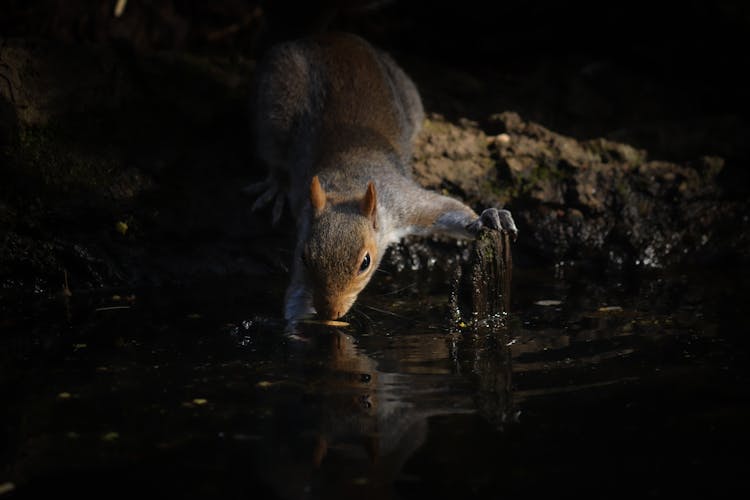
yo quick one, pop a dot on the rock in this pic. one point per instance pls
(453, 157)
(595, 199)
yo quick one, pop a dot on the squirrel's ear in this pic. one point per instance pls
(317, 196)
(369, 202)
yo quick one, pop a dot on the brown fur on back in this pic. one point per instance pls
(358, 97)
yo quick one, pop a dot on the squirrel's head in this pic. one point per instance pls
(340, 254)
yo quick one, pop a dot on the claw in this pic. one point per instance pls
(256, 187)
(266, 192)
(507, 223)
(278, 209)
(265, 198)
(497, 219)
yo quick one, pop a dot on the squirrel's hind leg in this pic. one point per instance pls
(268, 191)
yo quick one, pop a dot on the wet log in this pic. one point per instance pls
(481, 294)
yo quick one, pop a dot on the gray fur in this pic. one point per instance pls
(335, 107)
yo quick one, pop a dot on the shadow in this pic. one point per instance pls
(138, 158)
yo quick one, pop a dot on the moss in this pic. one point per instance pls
(502, 195)
(545, 172)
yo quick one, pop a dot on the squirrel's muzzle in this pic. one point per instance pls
(332, 307)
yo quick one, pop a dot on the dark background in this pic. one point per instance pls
(656, 61)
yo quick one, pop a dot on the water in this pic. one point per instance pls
(618, 385)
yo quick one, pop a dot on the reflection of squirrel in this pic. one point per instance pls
(335, 120)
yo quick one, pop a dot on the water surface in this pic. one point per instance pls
(599, 385)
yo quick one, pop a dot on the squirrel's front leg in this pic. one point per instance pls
(442, 214)
(298, 297)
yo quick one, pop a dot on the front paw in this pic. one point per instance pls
(298, 303)
(497, 219)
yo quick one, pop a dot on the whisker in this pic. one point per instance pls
(385, 312)
(401, 289)
(357, 310)
(367, 323)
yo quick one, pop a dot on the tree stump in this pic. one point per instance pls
(481, 294)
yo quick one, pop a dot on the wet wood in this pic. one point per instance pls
(482, 289)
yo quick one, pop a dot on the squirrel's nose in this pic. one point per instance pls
(330, 315)
(333, 313)
(329, 309)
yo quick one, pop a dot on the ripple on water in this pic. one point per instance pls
(203, 387)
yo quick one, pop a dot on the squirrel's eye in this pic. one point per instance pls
(365, 263)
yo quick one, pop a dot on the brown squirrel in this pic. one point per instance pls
(335, 119)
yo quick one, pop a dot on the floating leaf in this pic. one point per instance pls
(327, 322)
(548, 302)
